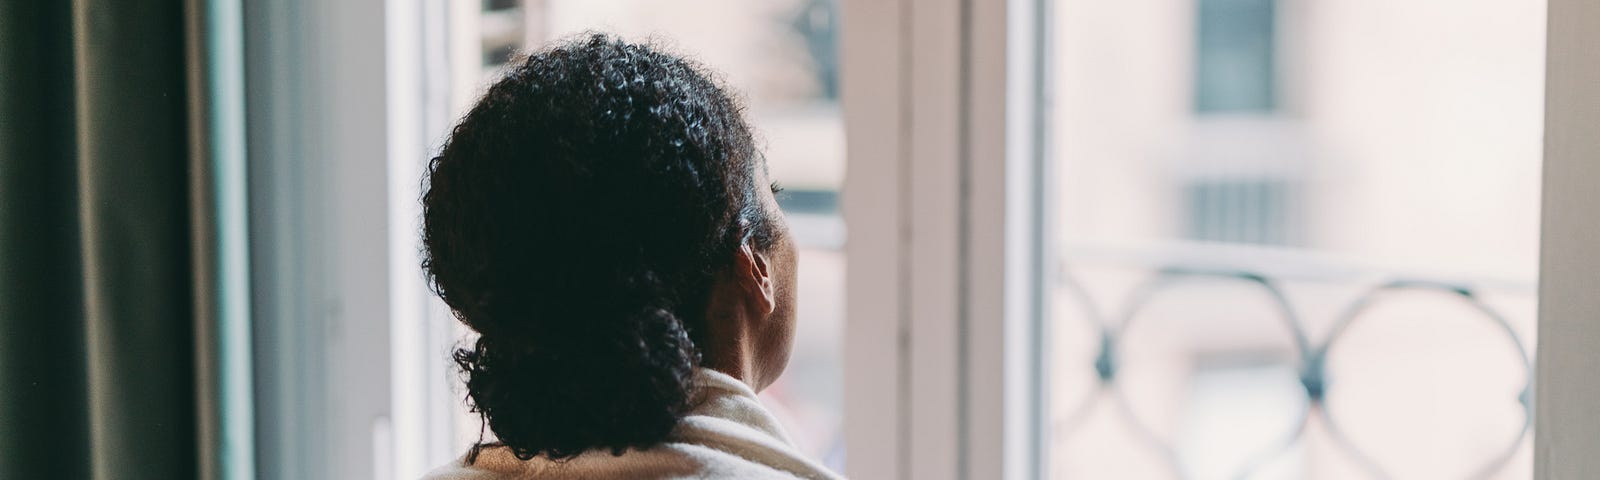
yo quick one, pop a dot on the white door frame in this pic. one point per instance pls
(945, 261)
(1567, 405)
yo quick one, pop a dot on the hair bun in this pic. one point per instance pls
(558, 396)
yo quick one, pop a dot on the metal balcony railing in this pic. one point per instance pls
(1173, 267)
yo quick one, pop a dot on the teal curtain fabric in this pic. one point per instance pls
(109, 246)
(44, 421)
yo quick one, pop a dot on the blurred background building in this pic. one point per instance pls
(1236, 179)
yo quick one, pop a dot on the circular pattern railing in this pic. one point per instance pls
(1311, 357)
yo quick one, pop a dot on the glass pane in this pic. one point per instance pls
(780, 56)
(1299, 238)
(1234, 46)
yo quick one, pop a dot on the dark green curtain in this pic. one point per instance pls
(108, 248)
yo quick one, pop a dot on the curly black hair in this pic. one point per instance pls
(576, 220)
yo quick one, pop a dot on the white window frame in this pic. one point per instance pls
(1567, 388)
(343, 99)
(944, 204)
(318, 134)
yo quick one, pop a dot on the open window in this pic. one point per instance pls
(1198, 238)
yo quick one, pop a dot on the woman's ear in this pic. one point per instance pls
(755, 276)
